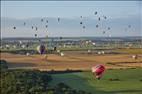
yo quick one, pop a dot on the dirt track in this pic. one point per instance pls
(70, 61)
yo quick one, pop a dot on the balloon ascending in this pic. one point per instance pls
(41, 49)
(36, 28)
(41, 20)
(81, 23)
(105, 17)
(46, 26)
(46, 21)
(58, 19)
(83, 27)
(98, 71)
(95, 13)
(24, 23)
(97, 26)
(35, 35)
(99, 18)
(108, 28)
(129, 26)
(14, 27)
(104, 32)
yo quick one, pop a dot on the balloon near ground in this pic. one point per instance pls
(98, 71)
(41, 49)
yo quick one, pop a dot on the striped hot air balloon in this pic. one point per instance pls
(98, 70)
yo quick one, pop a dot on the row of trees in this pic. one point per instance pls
(30, 82)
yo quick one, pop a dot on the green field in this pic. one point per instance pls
(129, 81)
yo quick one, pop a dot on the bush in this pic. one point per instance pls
(21, 81)
(31, 82)
(3, 65)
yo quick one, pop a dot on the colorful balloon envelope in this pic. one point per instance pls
(98, 71)
(41, 49)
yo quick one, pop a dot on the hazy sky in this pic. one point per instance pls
(114, 10)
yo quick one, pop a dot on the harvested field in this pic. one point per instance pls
(71, 61)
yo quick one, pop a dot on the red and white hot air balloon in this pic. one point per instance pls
(98, 70)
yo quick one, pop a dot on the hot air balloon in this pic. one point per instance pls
(23, 46)
(94, 43)
(20, 42)
(41, 20)
(83, 27)
(7, 46)
(95, 13)
(41, 49)
(97, 26)
(58, 51)
(81, 23)
(103, 52)
(39, 40)
(89, 51)
(27, 45)
(108, 28)
(109, 35)
(62, 54)
(99, 53)
(134, 56)
(27, 54)
(104, 32)
(58, 19)
(46, 26)
(46, 21)
(36, 28)
(14, 27)
(55, 49)
(98, 71)
(99, 18)
(14, 46)
(24, 23)
(105, 17)
(35, 35)
(129, 26)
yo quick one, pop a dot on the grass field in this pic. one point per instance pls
(130, 81)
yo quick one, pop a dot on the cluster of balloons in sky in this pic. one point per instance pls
(99, 24)
(36, 27)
